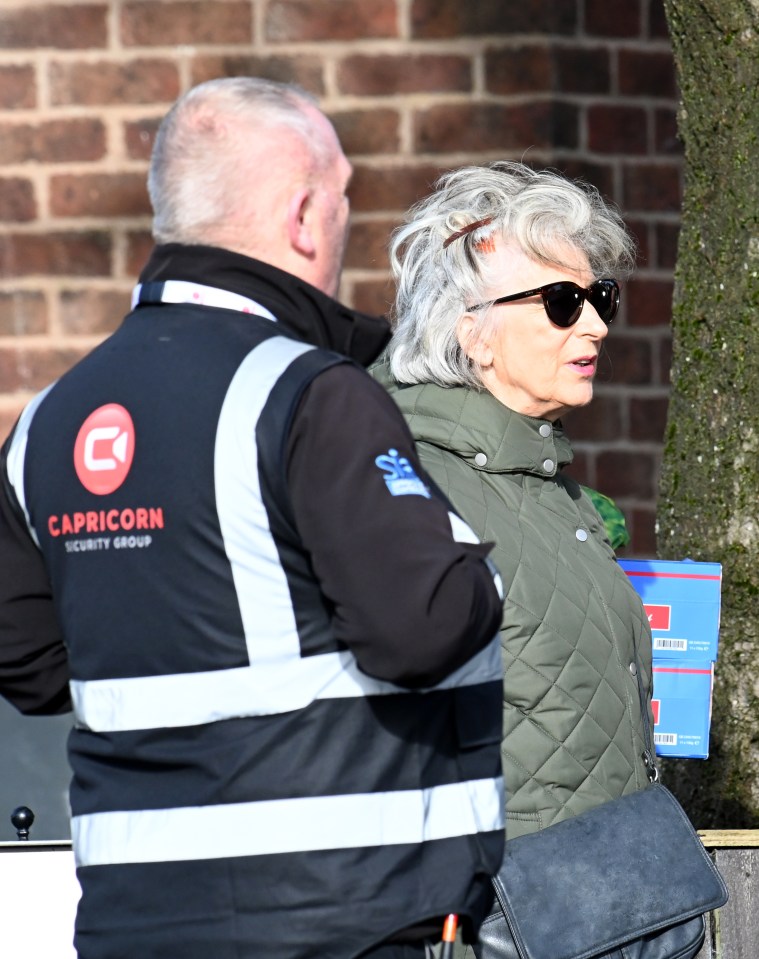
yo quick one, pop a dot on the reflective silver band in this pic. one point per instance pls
(190, 699)
(289, 825)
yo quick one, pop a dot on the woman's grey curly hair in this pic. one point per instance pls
(438, 255)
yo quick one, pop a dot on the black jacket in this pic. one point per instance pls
(251, 577)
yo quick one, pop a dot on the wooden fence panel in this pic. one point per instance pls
(733, 931)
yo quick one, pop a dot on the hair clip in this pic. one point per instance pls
(467, 229)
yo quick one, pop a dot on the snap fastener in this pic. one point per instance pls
(544, 429)
(548, 465)
(480, 459)
(581, 534)
(633, 669)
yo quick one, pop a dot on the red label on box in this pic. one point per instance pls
(658, 616)
(655, 709)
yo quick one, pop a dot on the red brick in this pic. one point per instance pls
(617, 129)
(139, 137)
(582, 69)
(667, 237)
(439, 19)
(599, 420)
(604, 19)
(600, 175)
(647, 73)
(414, 73)
(99, 194)
(293, 20)
(641, 524)
(665, 359)
(9, 370)
(648, 418)
(627, 361)
(641, 230)
(70, 27)
(666, 135)
(193, 22)
(55, 254)
(657, 20)
(373, 296)
(626, 473)
(18, 86)
(367, 245)
(17, 201)
(653, 187)
(93, 311)
(368, 131)
(306, 71)
(649, 302)
(33, 368)
(582, 467)
(8, 416)
(473, 127)
(54, 141)
(138, 248)
(528, 69)
(105, 83)
(375, 189)
(22, 313)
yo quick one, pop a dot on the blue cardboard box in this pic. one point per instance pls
(682, 707)
(682, 600)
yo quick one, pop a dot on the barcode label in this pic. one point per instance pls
(665, 739)
(660, 643)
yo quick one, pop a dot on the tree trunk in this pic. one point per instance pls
(709, 497)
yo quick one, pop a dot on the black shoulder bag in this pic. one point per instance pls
(627, 880)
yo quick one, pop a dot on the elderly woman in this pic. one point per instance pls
(508, 281)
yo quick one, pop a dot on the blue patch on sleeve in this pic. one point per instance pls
(399, 475)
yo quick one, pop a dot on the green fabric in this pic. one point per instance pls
(572, 728)
(612, 516)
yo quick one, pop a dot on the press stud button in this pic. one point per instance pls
(480, 459)
(633, 669)
(581, 534)
(548, 465)
(544, 429)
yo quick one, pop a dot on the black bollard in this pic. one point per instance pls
(22, 818)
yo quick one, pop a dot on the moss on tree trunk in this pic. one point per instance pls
(709, 497)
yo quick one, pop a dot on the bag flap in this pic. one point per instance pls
(629, 867)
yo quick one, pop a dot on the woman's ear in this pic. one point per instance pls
(298, 223)
(472, 341)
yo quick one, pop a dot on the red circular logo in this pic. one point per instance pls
(104, 449)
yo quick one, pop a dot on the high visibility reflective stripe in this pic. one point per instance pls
(17, 454)
(263, 593)
(190, 699)
(277, 680)
(183, 291)
(289, 825)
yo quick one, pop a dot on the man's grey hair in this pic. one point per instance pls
(197, 155)
(540, 211)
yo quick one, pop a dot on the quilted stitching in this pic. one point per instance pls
(572, 734)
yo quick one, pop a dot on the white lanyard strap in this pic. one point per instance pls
(182, 291)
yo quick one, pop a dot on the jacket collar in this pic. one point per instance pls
(302, 310)
(479, 428)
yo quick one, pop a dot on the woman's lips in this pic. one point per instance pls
(584, 365)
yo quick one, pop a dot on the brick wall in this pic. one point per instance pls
(414, 87)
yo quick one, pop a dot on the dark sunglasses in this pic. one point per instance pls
(563, 301)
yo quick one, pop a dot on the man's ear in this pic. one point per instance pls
(298, 223)
(470, 336)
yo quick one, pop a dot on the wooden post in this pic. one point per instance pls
(733, 931)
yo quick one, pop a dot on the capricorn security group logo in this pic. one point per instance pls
(104, 449)
(400, 477)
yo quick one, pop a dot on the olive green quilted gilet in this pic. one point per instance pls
(573, 628)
